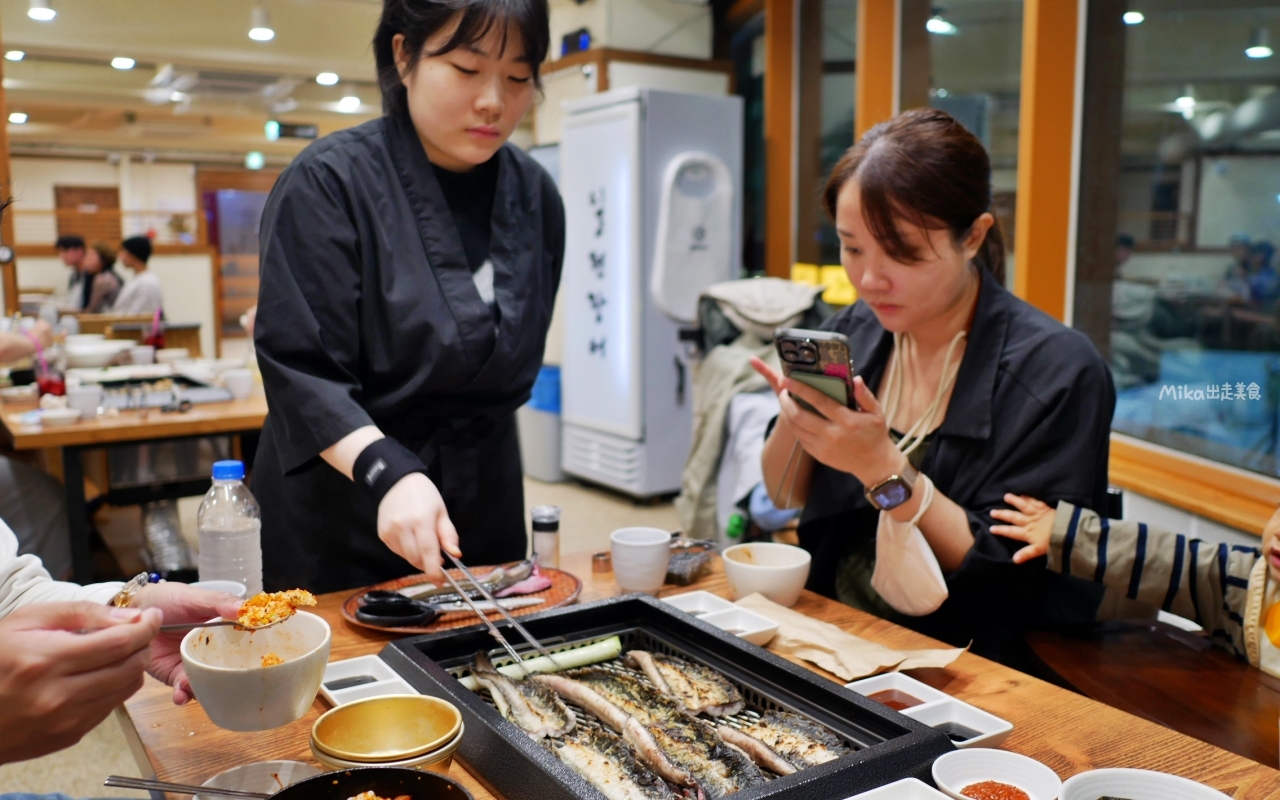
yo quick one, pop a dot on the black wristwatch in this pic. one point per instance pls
(894, 490)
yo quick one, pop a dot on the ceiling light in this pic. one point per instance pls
(260, 24)
(1133, 18)
(121, 62)
(327, 78)
(18, 118)
(940, 26)
(15, 55)
(1259, 44)
(349, 104)
(272, 130)
(254, 160)
(41, 11)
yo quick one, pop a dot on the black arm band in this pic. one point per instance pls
(381, 465)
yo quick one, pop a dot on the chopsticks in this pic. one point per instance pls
(122, 782)
(493, 629)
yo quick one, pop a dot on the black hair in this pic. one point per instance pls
(71, 242)
(419, 20)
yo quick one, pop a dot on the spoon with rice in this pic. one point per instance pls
(261, 611)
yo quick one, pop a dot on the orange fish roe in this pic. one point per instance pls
(371, 796)
(264, 609)
(994, 790)
(271, 659)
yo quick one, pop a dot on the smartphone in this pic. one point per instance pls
(819, 359)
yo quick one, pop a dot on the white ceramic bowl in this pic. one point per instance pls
(640, 557)
(96, 354)
(239, 382)
(905, 789)
(171, 354)
(262, 776)
(19, 394)
(991, 731)
(698, 603)
(55, 417)
(777, 571)
(225, 668)
(1135, 784)
(744, 624)
(956, 771)
(143, 354)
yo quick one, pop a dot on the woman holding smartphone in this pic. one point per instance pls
(963, 393)
(409, 266)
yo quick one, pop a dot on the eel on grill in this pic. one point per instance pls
(701, 689)
(532, 706)
(608, 764)
(783, 742)
(684, 750)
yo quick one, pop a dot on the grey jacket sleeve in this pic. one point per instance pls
(1199, 580)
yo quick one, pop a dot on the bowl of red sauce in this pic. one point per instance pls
(982, 774)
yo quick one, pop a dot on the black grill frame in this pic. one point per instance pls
(513, 766)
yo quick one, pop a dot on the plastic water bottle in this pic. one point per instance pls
(230, 526)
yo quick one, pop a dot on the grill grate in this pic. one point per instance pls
(756, 703)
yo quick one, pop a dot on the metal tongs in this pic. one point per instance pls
(493, 629)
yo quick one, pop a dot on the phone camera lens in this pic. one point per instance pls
(807, 354)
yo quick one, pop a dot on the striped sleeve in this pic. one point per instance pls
(1189, 577)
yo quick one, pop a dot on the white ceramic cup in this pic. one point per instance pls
(85, 398)
(225, 668)
(230, 587)
(239, 382)
(143, 354)
(640, 557)
(777, 571)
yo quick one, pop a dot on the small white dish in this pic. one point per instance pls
(897, 682)
(384, 681)
(956, 771)
(19, 394)
(230, 587)
(262, 776)
(1135, 784)
(224, 666)
(170, 355)
(992, 731)
(55, 417)
(743, 623)
(777, 571)
(905, 789)
(698, 603)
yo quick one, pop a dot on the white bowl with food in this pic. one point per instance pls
(19, 394)
(777, 571)
(1135, 784)
(260, 776)
(954, 773)
(96, 354)
(234, 678)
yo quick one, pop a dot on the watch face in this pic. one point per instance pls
(891, 494)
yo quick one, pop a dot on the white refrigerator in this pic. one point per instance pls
(651, 182)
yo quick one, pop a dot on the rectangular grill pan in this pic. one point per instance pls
(888, 746)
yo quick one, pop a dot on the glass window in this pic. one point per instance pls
(825, 124)
(746, 48)
(965, 57)
(1179, 215)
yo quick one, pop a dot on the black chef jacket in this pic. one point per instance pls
(368, 314)
(1030, 414)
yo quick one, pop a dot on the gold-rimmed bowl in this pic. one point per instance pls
(391, 728)
(438, 760)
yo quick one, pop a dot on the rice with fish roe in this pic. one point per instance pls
(271, 659)
(266, 608)
(371, 796)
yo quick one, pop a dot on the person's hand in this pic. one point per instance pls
(414, 523)
(855, 441)
(1030, 521)
(63, 668)
(180, 603)
(42, 332)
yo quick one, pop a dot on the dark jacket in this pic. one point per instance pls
(1030, 414)
(368, 314)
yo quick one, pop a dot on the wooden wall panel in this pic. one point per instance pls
(780, 19)
(876, 79)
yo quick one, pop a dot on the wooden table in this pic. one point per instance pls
(1068, 732)
(131, 427)
(1174, 678)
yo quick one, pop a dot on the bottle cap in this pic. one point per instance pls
(736, 527)
(228, 470)
(546, 519)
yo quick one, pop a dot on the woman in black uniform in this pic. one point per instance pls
(409, 266)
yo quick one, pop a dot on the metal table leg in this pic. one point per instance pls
(77, 515)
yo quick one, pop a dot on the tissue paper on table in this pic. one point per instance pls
(842, 654)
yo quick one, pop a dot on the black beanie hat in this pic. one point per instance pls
(139, 246)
